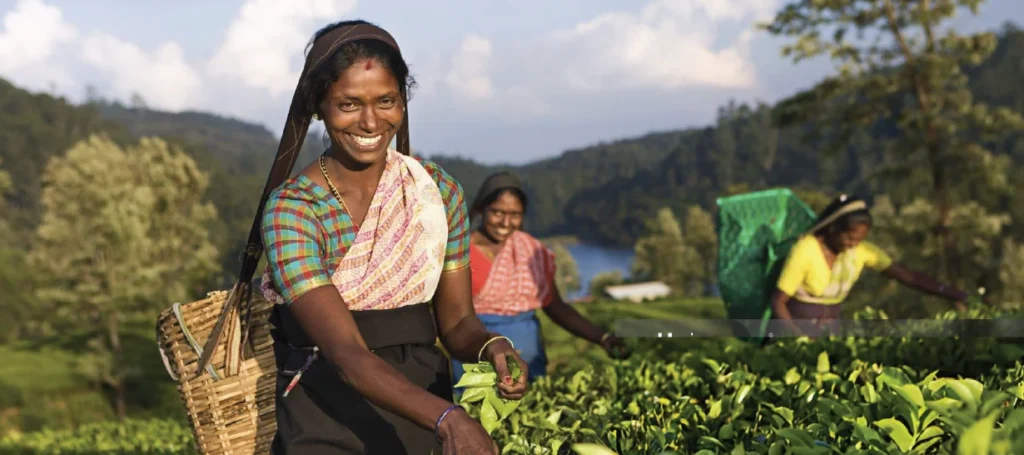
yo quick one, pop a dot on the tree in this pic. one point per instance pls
(815, 199)
(724, 158)
(567, 273)
(15, 281)
(902, 231)
(661, 254)
(123, 233)
(906, 79)
(6, 185)
(92, 95)
(699, 236)
(603, 280)
(1011, 275)
(764, 140)
(137, 101)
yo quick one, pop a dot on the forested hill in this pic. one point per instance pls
(743, 151)
(600, 193)
(552, 182)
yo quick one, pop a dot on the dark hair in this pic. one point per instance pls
(314, 86)
(847, 221)
(490, 198)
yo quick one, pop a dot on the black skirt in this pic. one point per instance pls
(322, 415)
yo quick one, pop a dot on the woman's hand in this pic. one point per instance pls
(496, 353)
(461, 434)
(615, 347)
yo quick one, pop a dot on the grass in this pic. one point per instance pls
(42, 384)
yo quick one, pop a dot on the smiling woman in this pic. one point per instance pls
(514, 276)
(358, 245)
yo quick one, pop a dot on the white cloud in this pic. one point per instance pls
(469, 74)
(162, 77)
(264, 38)
(667, 44)
(32, 32)
(614, 62)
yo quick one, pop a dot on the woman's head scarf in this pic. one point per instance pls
(298, 120)
(495, 182)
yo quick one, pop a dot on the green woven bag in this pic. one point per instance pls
(755, 232)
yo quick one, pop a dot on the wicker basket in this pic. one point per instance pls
(231, 404)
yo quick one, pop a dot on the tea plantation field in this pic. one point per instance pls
(710, 396)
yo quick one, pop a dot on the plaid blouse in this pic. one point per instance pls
(306, 232)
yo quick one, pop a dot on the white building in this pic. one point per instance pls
(638, 292)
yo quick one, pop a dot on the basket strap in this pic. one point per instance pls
(163, 355)
(176, 309)
(287, 152)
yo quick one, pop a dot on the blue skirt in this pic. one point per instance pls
(524, 331)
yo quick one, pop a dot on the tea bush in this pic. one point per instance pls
(854, 396)
(156, 437)
(865, 396)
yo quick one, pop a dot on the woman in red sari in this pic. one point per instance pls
(514, 275)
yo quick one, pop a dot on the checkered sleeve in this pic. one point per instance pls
(291, 237)
(457, 252)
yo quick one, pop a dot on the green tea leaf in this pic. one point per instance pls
(792, 376)
(592, 449)
(726, 433)
(797, 437)
(978, 438)
(488, 417)
(898, 433)
(555, 445)
(742, 394)
(710, 440)
(964, 392)
(502, 406)
(477, 380)
(868, 392)
(1014, 421)
(513, 367)
(912, 394)
(482, 367)
(716, 409)
(931, 432)
(945, 405)
(823, 364)
(474, 395)
(867, 435)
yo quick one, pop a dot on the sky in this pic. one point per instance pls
(499, 81)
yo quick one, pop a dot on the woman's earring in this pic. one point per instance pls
(316, 116)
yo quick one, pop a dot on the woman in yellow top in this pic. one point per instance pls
(825, 263)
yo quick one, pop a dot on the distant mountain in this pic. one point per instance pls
(552, 182)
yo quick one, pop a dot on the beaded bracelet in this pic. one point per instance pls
(480, 356)
(444, 414)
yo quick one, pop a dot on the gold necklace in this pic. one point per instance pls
(337, 195)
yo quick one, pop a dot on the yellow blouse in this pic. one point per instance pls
(806, 275)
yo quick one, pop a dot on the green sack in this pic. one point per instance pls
(755, 232)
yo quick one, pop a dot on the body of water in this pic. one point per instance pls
(594, 259)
